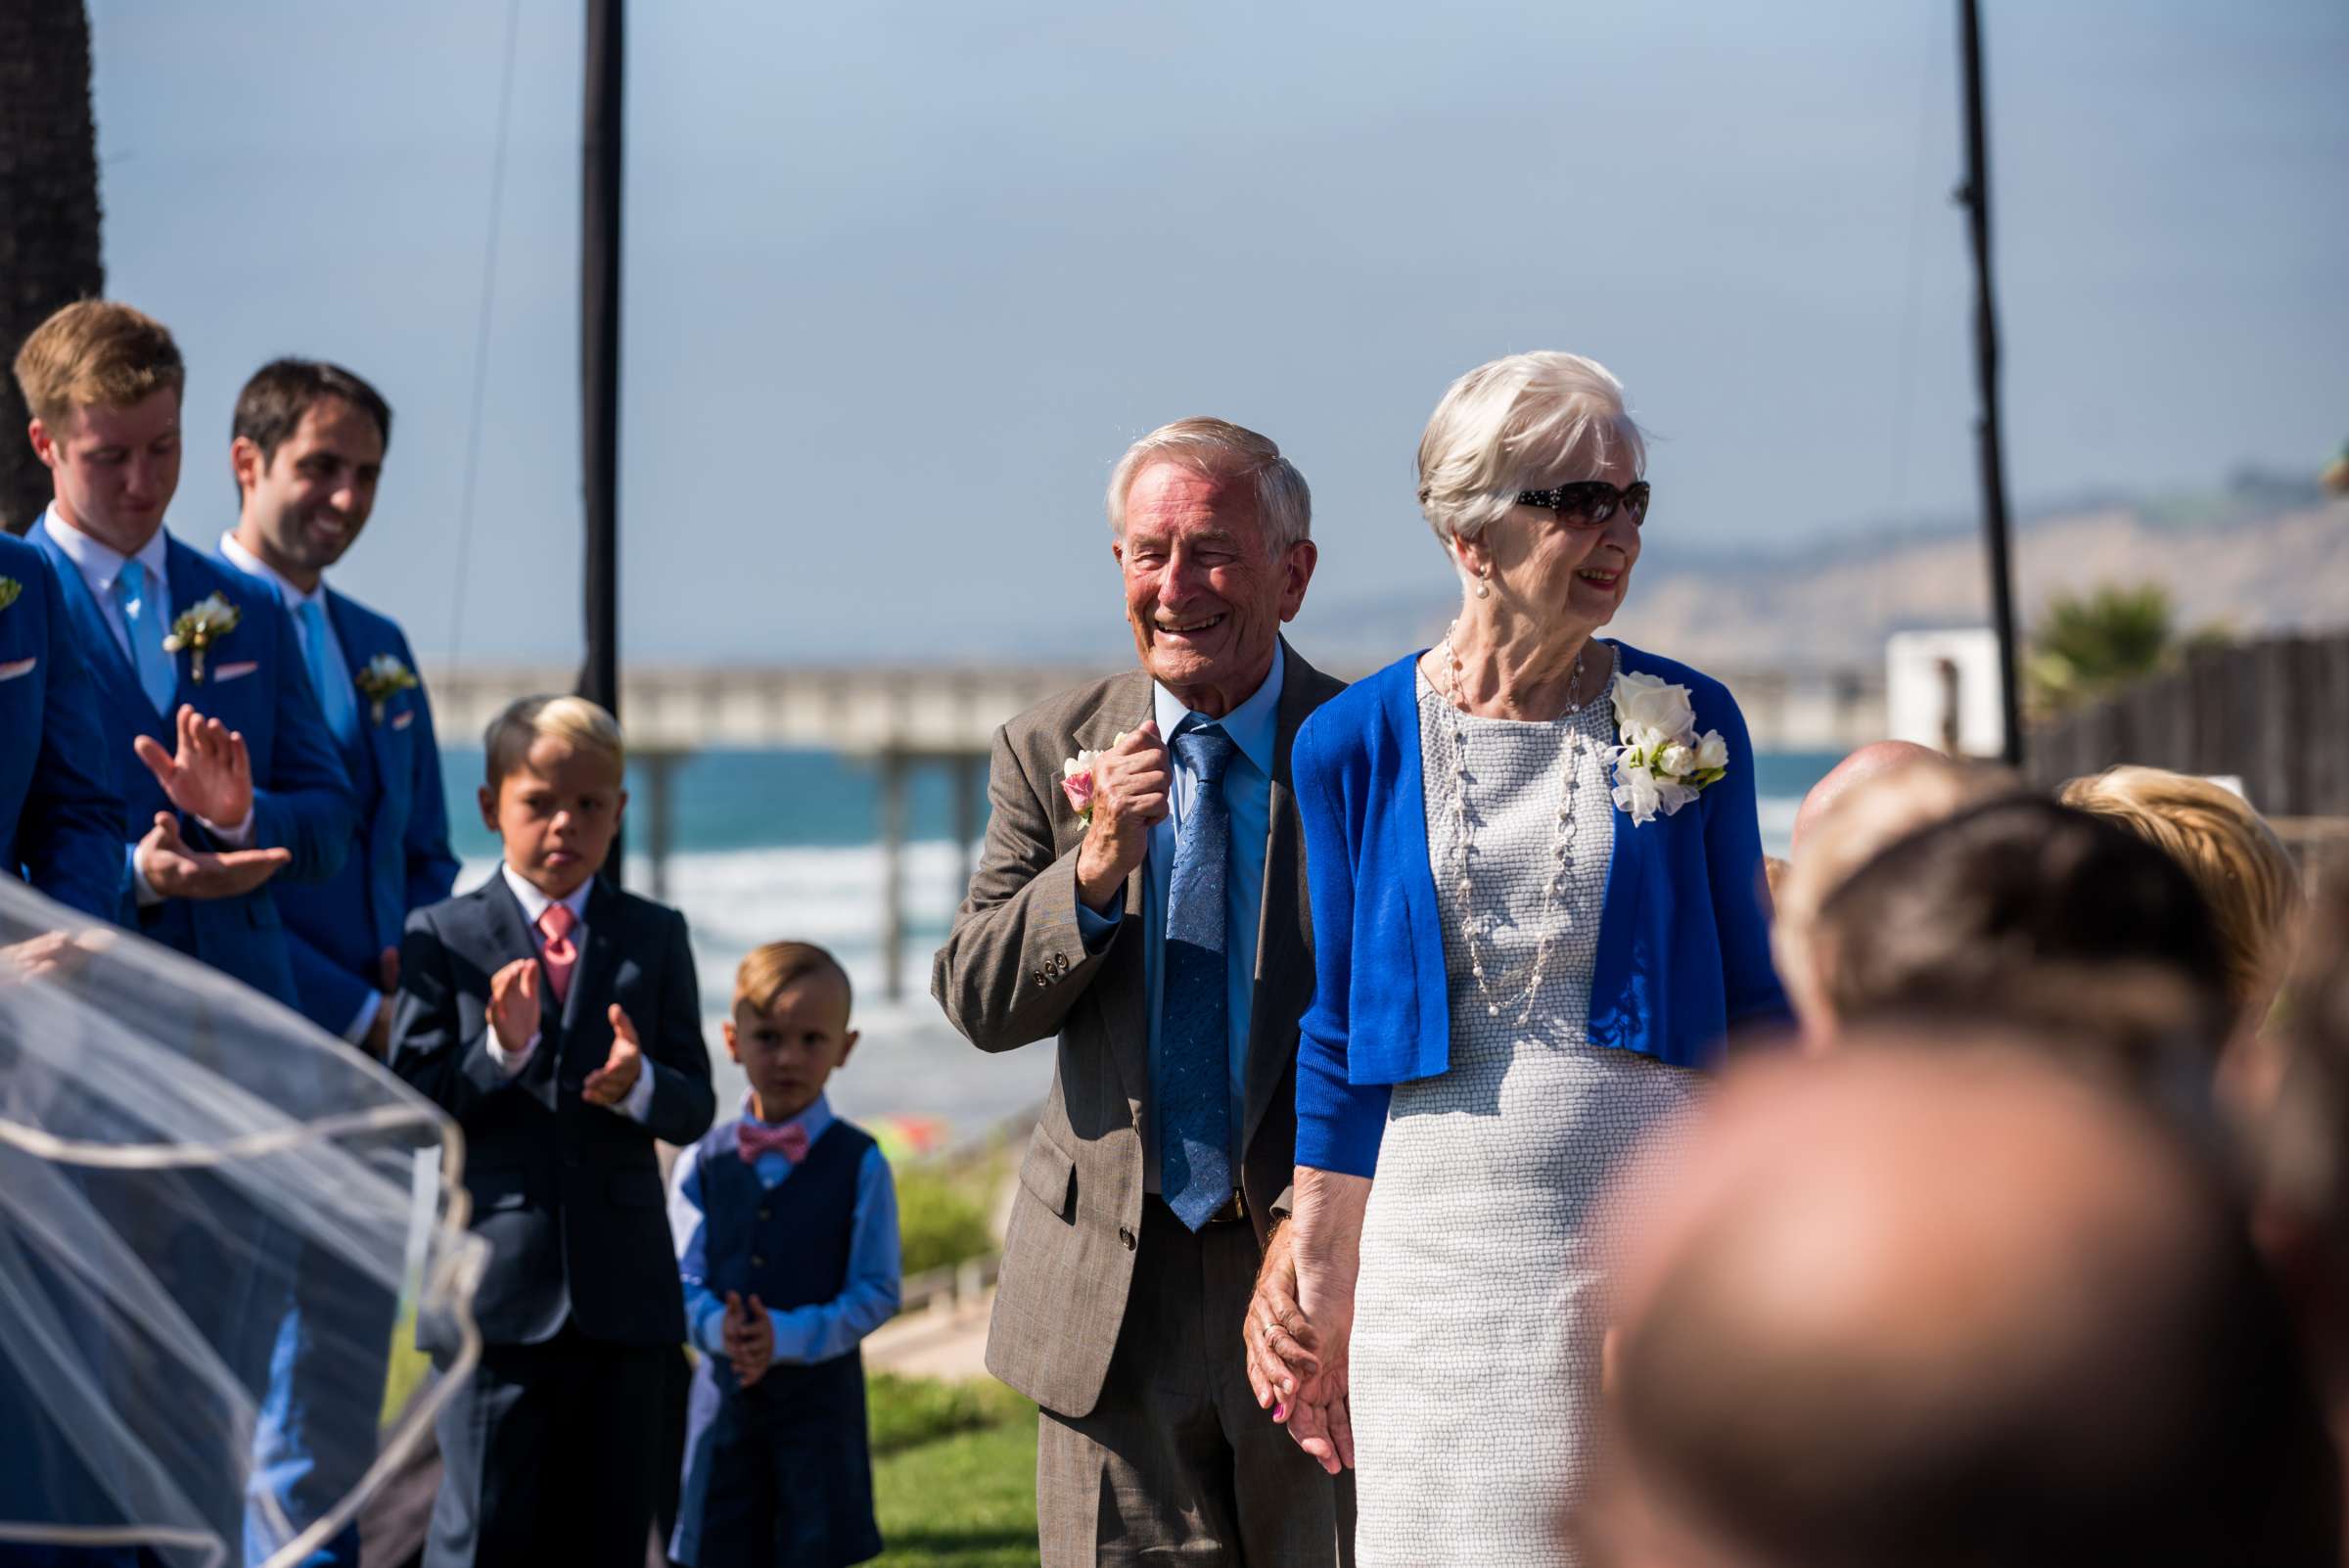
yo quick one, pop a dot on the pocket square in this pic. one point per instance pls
(229, 672)
(404, 720)
(17, 667)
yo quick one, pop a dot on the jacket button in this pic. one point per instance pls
(762, 1214)
(757, 1261)
(1126, 1236)
(1042, 979)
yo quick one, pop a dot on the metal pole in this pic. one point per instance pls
(599, 356)
(1974, 197)
(893, 875)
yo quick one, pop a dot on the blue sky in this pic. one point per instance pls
(902, 279)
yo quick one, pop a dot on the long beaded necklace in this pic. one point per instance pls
(1562, 844)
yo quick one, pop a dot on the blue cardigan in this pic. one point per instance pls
(1683, 942)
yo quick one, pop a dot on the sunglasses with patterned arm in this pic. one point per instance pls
(1589, 503)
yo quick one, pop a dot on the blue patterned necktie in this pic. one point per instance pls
(334, 694)
(157, 677)
(1194, 1112)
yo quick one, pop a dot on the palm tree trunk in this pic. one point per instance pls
(49, 254)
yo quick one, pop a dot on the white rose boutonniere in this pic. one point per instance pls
(197, 627)
(1662, 763)
(384, 679)
(1077, 781)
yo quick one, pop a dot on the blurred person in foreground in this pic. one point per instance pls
(1529, 948)
(557, 1019)
(2295, 1121)
(1142, 897)
(2241, 867)
(307, 449)
(1948, 1308)
(786, 1226)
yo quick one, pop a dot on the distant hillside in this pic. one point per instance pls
(2262, 556)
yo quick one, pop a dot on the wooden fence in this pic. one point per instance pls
(2274, 713)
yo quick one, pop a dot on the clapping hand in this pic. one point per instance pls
(609, 1085)
(514, 1004)
(210, 776)
(176, 871)
(750, 1338)
(1132, 793)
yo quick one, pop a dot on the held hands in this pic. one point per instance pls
(210, 776)
(1290, 1367)
(750, 1338)
(1132, 784)
(176, 871)
(514, 1004)
(609, 1085)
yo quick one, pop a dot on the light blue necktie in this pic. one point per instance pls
(156, 676)
(1194, 1111)
(333, 693)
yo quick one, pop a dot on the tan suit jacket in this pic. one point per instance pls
(1014, 969)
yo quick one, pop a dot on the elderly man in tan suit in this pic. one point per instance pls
(1150, 910)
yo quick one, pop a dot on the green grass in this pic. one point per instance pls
(942, 1215)
(954, 1473)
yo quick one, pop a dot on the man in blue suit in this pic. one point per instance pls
(307, 449)
(227, 771)
(60, 821)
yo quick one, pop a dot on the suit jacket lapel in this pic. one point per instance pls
(1124, 984)
(592, 976)
(356, 653)
(96, 638)
(186, 588)
(1283, 957)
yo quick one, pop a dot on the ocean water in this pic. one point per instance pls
(767, 845)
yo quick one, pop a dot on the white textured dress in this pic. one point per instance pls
(1480, 1309)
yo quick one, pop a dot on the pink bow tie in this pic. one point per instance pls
(753, 1139)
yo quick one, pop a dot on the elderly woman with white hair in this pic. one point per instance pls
(1538, 908)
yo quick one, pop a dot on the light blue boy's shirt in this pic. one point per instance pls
(1254, 729)
(821, 1330)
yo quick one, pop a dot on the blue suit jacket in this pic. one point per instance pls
(337, 930)
(1684, 937)
(255, 683)
(60, 821)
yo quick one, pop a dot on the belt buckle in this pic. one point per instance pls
(1232, 1213)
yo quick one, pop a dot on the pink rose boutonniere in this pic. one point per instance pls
(1077, 781)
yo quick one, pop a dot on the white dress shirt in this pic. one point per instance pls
(638, 1102)
(100, 565)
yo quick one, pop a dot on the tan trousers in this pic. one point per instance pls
(1175, 1460)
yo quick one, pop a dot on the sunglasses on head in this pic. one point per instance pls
(1589, 503)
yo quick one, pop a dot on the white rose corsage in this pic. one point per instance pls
(1077, 781)
(384, 679)
(1662, 763)
(197, 627)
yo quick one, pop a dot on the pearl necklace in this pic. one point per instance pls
(1562, 844)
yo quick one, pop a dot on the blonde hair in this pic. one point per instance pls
(1217, 448)
(95, 354)
(1870, 817)
(574, 721)
(1523, 423)
(2238, 862)
(765, 971)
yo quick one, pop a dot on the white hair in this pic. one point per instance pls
(1216, 448)
(1524, 423)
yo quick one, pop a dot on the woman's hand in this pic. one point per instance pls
(1327, 1251)
(1278, 1339)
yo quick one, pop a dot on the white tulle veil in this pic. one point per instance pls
(177, 1153)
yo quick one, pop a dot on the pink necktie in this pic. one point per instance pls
(556, 948)
(751, 1139)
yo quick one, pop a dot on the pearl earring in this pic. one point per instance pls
(1484, 584)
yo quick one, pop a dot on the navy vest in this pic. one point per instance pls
(788, 1245)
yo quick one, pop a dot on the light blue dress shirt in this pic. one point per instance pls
(1255, 728)
(821, 1330)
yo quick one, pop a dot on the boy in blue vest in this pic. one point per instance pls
(786, 1224)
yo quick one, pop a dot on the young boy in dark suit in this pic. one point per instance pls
(558, 1020)
(786, 1226)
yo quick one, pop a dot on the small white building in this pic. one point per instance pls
(1941, 689)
